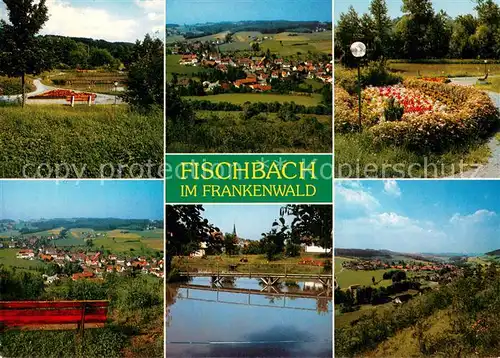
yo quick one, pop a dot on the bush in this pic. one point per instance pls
(472, 117)
(393, 110)
(375, 74)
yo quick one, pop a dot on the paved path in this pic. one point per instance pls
(40, 88)
(492, 168)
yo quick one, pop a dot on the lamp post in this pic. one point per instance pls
(116, 89)
(485, 67)
(358, 50)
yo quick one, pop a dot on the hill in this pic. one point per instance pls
(493, 253)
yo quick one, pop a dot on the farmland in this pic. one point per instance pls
(237, 98)
(127, 241)
(8, 258)
(84, 137)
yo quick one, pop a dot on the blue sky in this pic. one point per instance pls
(452, 8)
(125, 199)
(251, 220)
(201, 11)
(112, 20)
(418, 216)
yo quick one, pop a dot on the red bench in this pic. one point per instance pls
(18, 314)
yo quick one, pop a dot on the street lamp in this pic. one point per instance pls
(485, 67)
(116, 89)
(358, 50)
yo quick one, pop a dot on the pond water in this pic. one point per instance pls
(217, 323)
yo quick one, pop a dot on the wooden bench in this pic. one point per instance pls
(26, 314)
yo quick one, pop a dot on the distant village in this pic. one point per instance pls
(92, 264)
(371, 265)
(261, 71)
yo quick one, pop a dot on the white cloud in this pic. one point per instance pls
(345, 194)
(391, 187)
(478, 216)
(66, 19)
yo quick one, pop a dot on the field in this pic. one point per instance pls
(7, 234)
(91, 141)
(444, 69)
(8, 258)
(173, 66)
(80, 233)
(125, 241)
(346, 278)
(256, 263)
(241, 98)
(303, 43)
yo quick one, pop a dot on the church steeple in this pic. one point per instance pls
(234, 230)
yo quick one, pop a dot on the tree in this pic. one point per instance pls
(20, 50)
(381, 29)
(274, 241)
(255, 47)
(230, 244)
(347, 31)
(312, 223)
(100, 57)
(145, 84)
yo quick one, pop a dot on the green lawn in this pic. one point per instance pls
(241, 98)
(173, 66)
(10, 233)
(347, 278)
(8, 258)
(303, 43)
(493, 85)
(445, 69)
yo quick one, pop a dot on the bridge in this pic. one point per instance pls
(322, 298)
(269, 279)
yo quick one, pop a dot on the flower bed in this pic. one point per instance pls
(436, 79)
(436, 115)
(63, 94)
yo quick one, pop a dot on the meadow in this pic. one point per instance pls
(255, 263)
(173, 66)
(126, 241)
(241, 98)
(81, 142)
(8, 258)
(346, 278)
(493, 84)
(448, 69)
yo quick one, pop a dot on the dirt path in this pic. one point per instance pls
(492, 168)
(40, 88)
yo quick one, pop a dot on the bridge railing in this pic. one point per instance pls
(313, 267)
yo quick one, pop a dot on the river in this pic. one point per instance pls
(283, 322)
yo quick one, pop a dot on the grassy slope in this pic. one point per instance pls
(87, 137)
(123, 240)
(241, 98)
(8, 258)
(347, 278)
(493, 85)
(173, 66)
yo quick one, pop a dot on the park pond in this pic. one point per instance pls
(244, 318)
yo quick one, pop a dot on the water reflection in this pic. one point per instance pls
(245, 318)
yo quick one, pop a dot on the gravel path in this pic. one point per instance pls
(492, 168)
(40, 88)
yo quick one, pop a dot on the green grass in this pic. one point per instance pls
(343, 319)
(90, 139)
(445, 69)
(8, 258)
(347, 278)
(131, 240)
(173, 66)
(303, 43)
(12, 86)
(493, 85)
(356, 156)
(339, 261)
(255, 264)
(241, 98)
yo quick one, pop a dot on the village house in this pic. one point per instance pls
(190, 60)
(25, 254)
